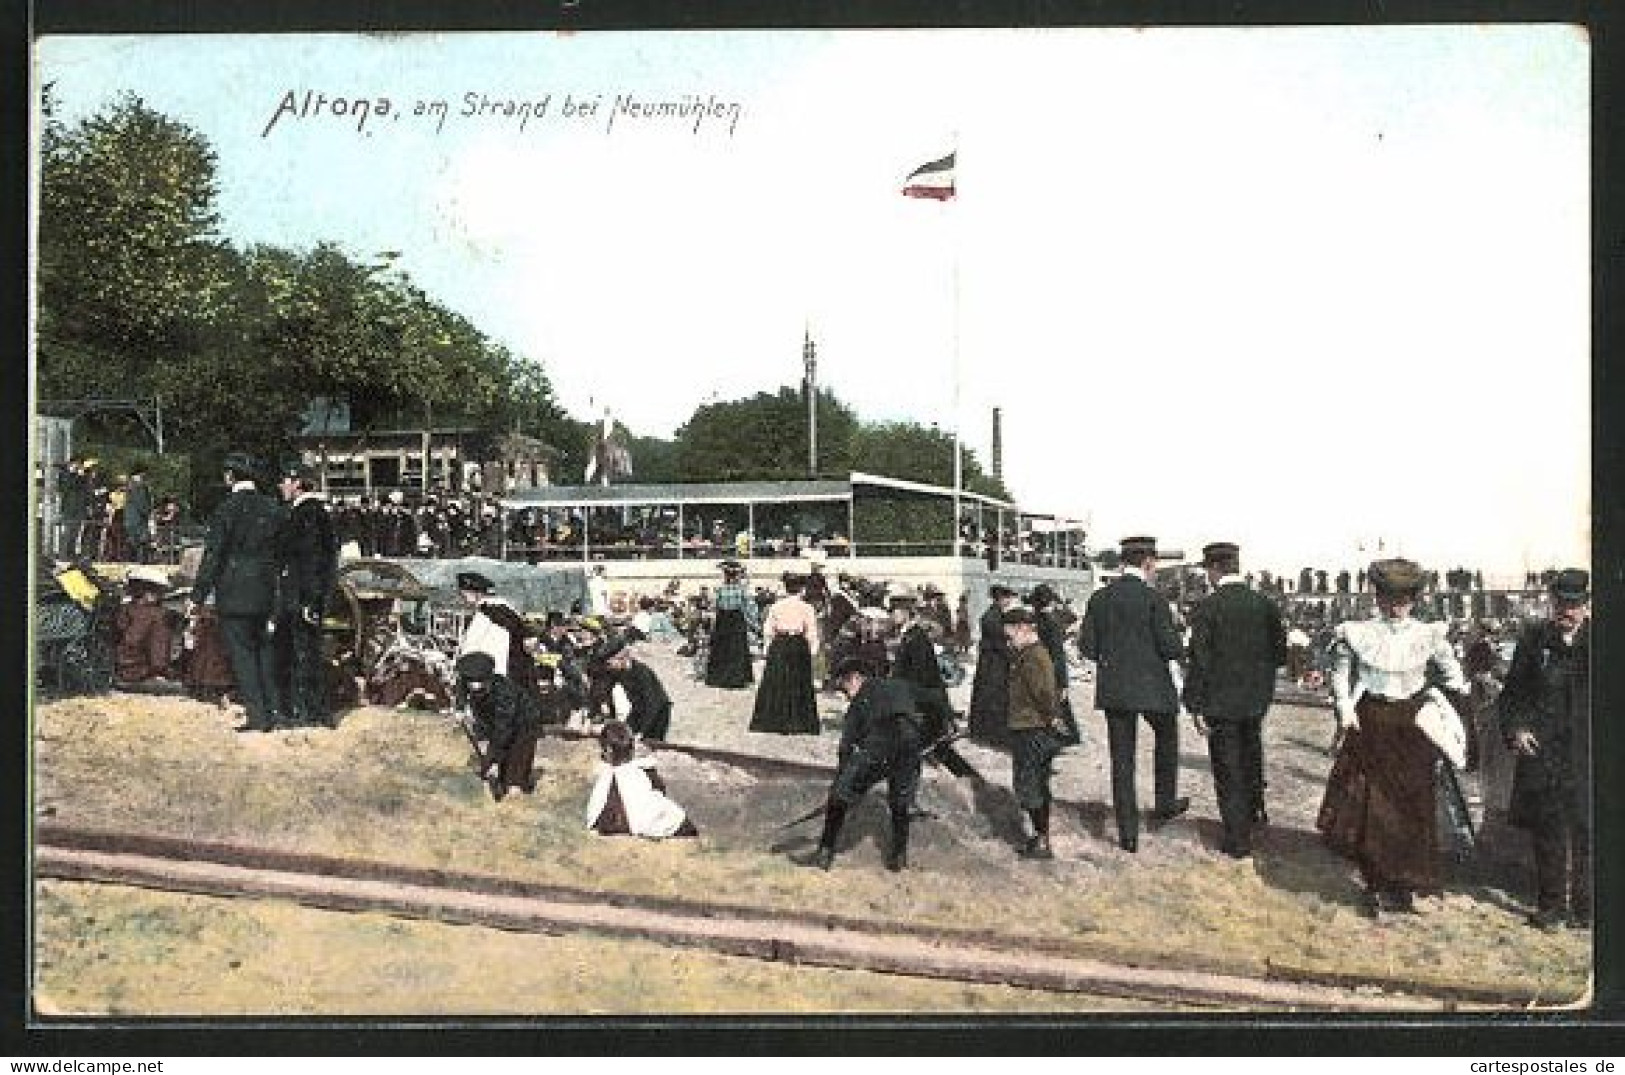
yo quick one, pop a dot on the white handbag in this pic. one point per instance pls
(1439, 721)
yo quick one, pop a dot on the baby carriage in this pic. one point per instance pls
(73, 630)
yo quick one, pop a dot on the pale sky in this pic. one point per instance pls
(1303, 289)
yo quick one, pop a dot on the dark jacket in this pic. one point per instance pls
(240, 555)
(881, 719)
(1128, 631)
(504, 713)
(917, 664)
(310, 557)
(137, 509)
(1547, 692)
(1035, 701)
(989, 696)
(645, 694)
(1237, 642)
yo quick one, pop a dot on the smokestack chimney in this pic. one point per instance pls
(998, 445)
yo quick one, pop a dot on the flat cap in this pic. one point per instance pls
(1397, 576)
(1043, 595)
(474, 582)
(1019, 614)
(998, 590)
(1220, 550)
(1572, 584)
(1137, 546)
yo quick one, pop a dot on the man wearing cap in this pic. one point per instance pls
(1381, 804)
(989, 692)
(1238, 640)
(310, 564)
(497, 629)
(1128, 631)
(506, 721)
(880, 740)
(239, 570)
(1546, 717)
(648, 704)
(1036, 730)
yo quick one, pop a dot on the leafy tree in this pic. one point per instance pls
(764, 438)
(131, 269)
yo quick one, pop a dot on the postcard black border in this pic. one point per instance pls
(1577, 1035)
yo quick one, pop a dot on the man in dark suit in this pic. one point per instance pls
(1546, 716)
(239, 570)
(649, 706)
(1128, 631)
(310, 558)
(1237, 642)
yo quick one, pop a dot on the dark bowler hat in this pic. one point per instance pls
(1136, 547)
(476, 666)
(474, 582)
(851, 666)
(1397, 577)
(732, 567)
(1220, 550)
(998, 590)
(1018, 615)
(1572, 584)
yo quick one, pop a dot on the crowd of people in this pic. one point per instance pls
(1412, 697)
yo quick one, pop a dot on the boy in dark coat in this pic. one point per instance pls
(880, 740)
(506, 719)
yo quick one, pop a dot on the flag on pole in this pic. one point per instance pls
(934, 180)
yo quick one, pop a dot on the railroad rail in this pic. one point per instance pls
(68, 852)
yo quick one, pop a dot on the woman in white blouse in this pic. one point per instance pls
(1380, 807)
(787, 701)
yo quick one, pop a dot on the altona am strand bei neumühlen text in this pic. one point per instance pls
(369, 113)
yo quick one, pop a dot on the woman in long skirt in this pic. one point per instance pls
(990, 690)
(1380, 809)
(786, 702)
(729, 663)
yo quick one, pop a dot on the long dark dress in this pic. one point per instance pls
(990, 690)
(729, 663)
(786, 702)
(1379, 807)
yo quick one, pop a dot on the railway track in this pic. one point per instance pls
(67, 852)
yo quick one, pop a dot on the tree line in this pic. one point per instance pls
(141, 296)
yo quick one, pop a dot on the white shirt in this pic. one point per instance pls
(1390, 658)
(485, 635)
(648, 812)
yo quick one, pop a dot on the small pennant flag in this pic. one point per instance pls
(934, 180)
